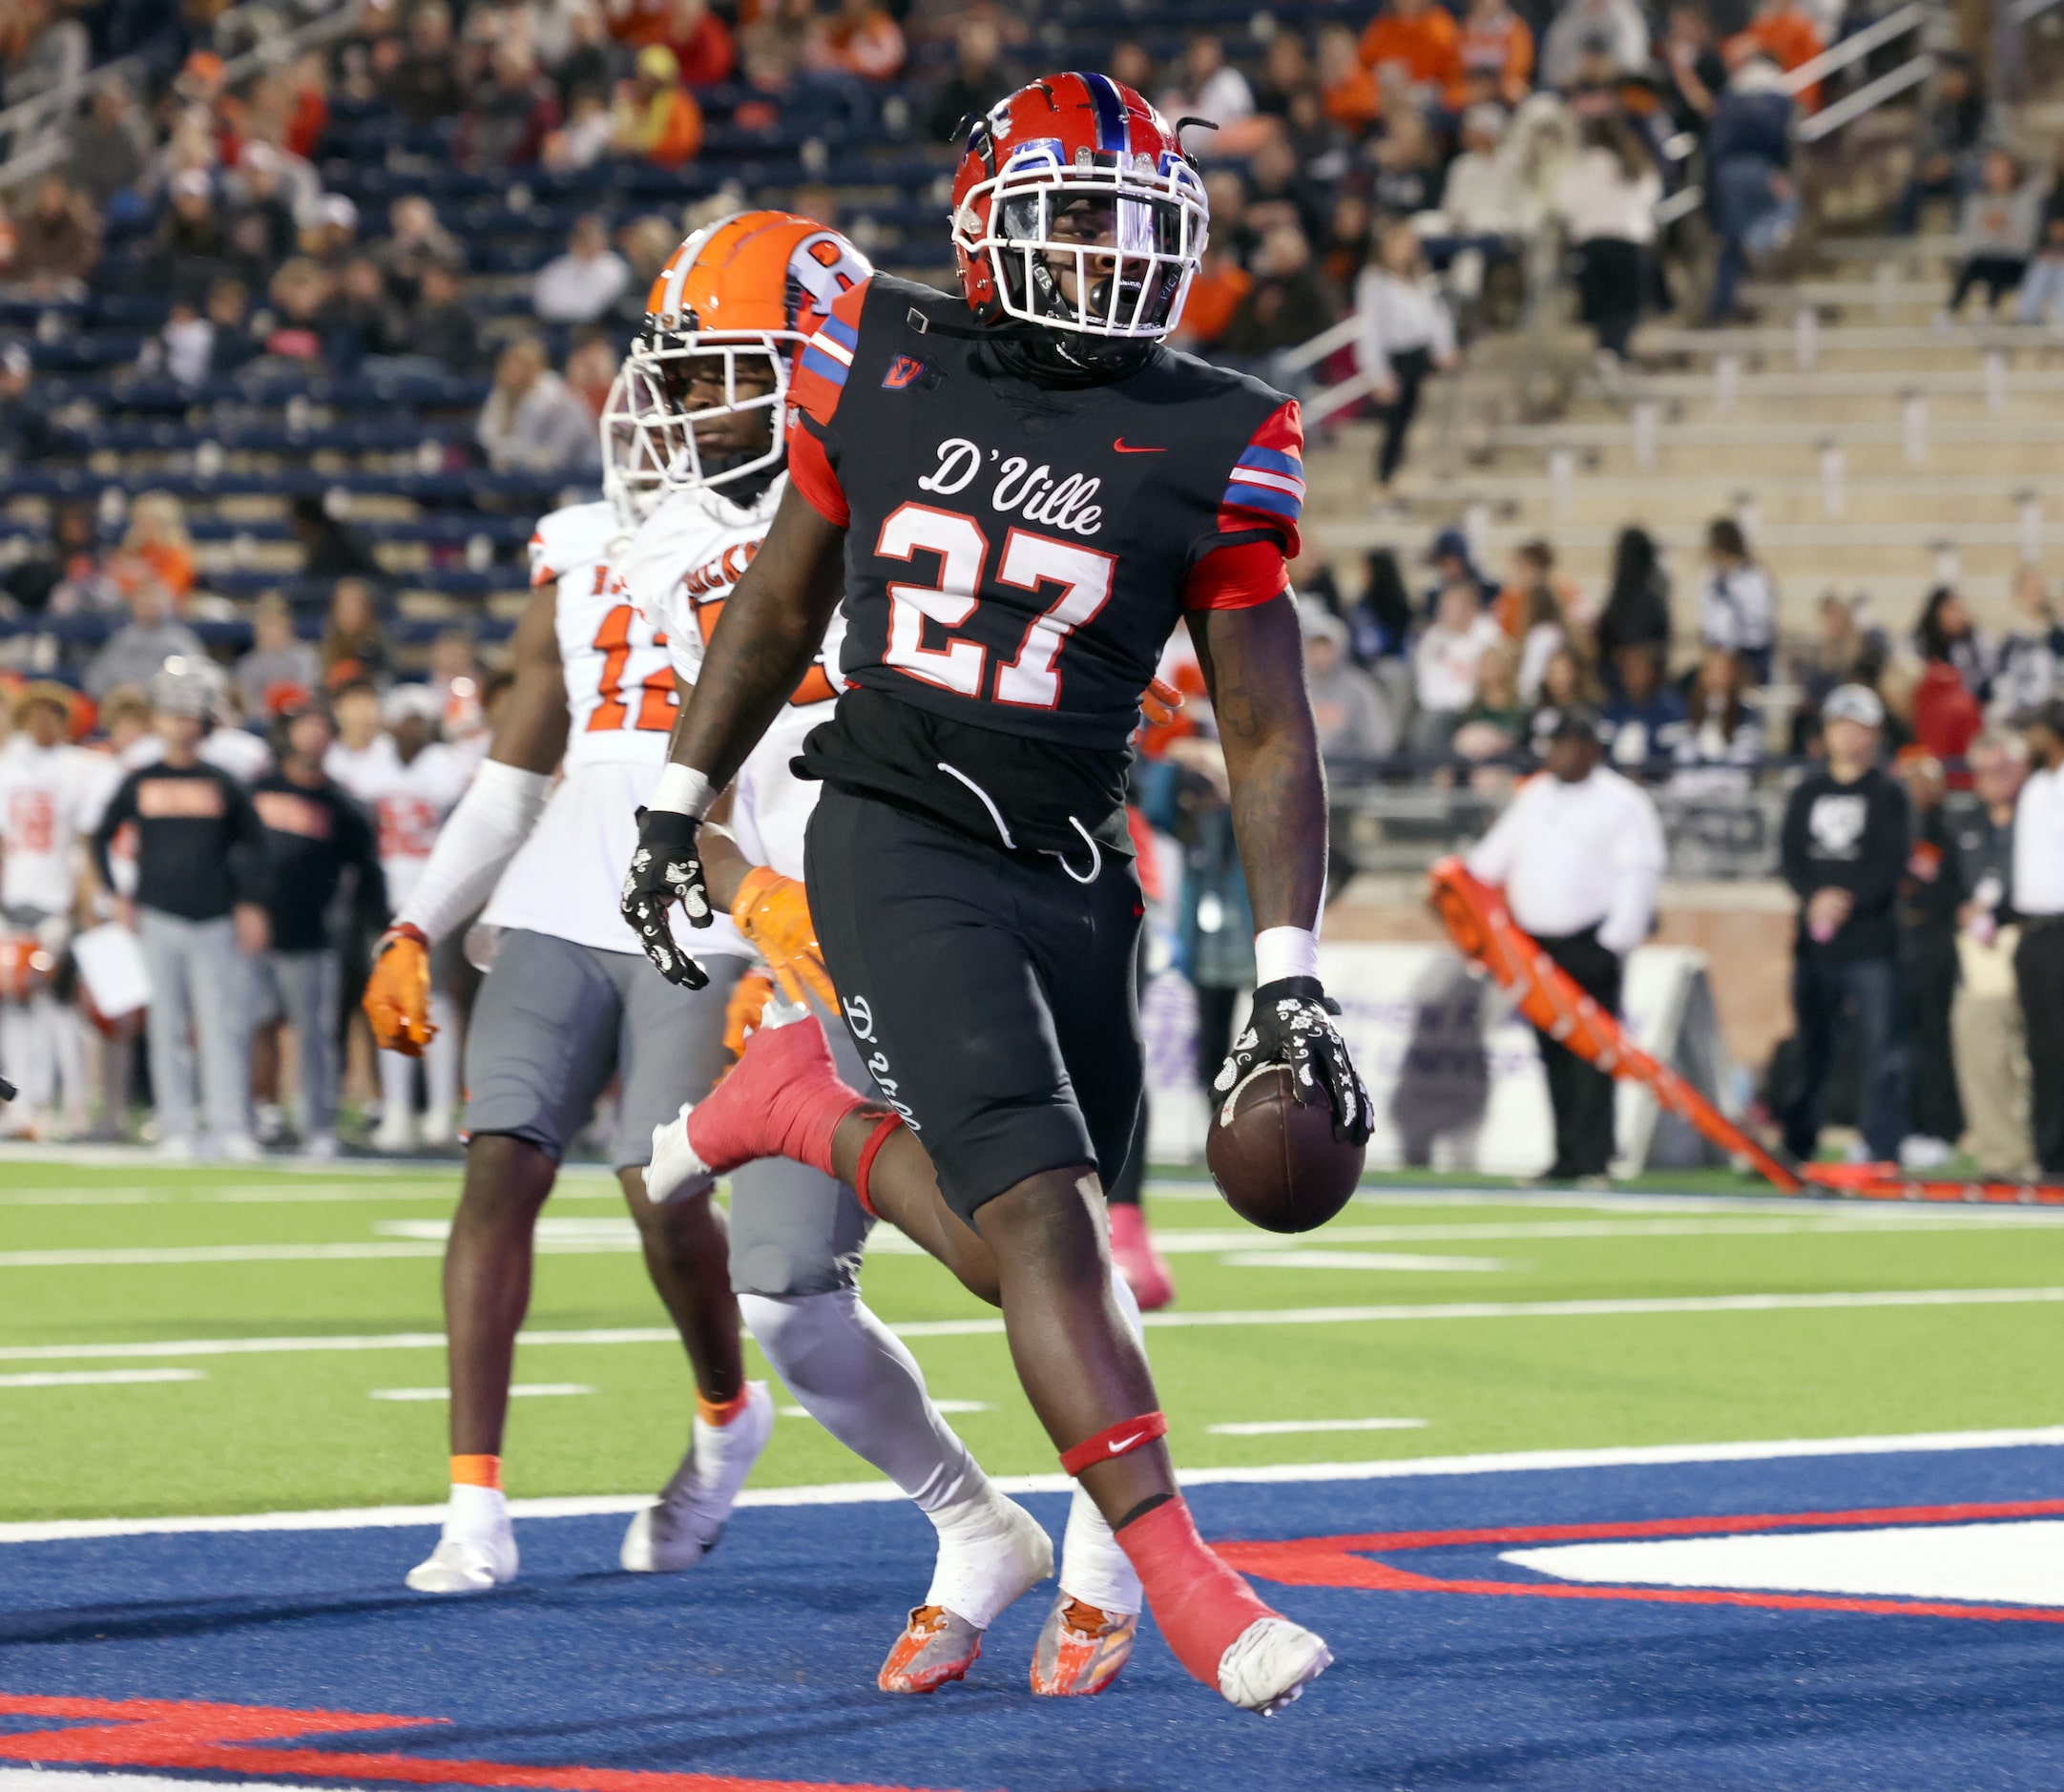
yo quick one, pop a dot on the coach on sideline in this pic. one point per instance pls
(2038, 901)
(1580, 855)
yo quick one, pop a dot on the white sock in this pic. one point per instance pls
(397, 1087)
(1094, 1568)
(853, 1375)
(476, 1511)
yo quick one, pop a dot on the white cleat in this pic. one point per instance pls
(1270, 1663)
(674, 1164)
(990, 1560)
(396, 1134)
(682, 1527)
(466, 1562)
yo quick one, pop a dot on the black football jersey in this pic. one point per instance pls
(1016, 555)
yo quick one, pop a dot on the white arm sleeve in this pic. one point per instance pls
(492, 819)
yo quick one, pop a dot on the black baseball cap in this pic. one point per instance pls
(1579, 722)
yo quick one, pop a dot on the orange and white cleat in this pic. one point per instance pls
(1081, 1648)
(935, 1649)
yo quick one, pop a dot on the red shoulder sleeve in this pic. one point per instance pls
(827, 357)
(1241, 562)
(1265, 488)
(811, 472)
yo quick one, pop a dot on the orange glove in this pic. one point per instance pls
(397, 999)
(1160, 703)
(749, 995)
(773, 914)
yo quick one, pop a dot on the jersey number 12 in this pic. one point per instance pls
(656, 706)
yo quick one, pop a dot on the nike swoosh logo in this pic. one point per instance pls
(1118, 448)
(1120, 1446)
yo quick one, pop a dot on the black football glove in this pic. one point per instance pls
(666, 870)
(1292, 1023)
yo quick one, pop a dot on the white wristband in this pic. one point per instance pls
(683, 790)
(1281, 952)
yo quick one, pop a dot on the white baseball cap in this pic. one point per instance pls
(1854, 702)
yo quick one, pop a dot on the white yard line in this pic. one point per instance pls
(519, 1390)
(1407, 1262)
(989, 1327)
(854, 1492)
(99, 1378)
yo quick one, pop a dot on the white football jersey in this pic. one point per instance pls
(680, 567)
(409, 804)
(566, 878)
(49, 797)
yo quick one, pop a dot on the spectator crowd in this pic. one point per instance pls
(429, 206)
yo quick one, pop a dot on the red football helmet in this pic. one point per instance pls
(1078, 167)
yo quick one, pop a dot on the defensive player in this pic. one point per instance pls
(410, 780)
(1016, 513)
(704, 402)
(567, 1004)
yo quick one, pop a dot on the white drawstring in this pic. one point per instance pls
(1097, 856)
(995, 813)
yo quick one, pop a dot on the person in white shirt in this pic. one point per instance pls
(1405, 334)
(1579, 856)
(1445, 662)
(410, 780)
(579, 286)
(1737, 608)
(2038, 900)
(49, 792)
(1607, 198)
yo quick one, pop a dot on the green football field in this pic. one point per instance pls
(252, 1339)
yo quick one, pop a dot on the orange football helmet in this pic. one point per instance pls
(740, 297)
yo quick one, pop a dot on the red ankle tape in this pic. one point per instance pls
(1116, 1439)
(863, 1170)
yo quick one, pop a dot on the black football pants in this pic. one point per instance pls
(991, 993)
(1579, 1091)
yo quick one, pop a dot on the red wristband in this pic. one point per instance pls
(405, 930)
(1116, 1439)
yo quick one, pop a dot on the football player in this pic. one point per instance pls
(567, 1004)
(1016, 508)
(703, 408)
(411, 781)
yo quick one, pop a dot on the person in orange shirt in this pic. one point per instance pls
(1782, 32)
(1495, 49)
(862, 39)
(1215, 295)
(157, 546)
(655, 116)
(1346, 89)
(1422, 36)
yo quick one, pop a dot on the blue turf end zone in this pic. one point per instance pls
(759, 1665)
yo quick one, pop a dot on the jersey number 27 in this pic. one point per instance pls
(1030, 678)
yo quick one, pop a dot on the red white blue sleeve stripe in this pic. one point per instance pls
(829, 353)
(1268, 479)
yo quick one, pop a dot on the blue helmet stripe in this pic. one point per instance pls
(1110, 127)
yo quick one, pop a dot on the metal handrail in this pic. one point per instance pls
(1853, 49)
(1327, 342)
(31, 112)
(1867, 98)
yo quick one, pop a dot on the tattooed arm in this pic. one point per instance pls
(772, 623)
(1253, 663)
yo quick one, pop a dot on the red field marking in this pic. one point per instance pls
(1345, 1561)
(160, 1733)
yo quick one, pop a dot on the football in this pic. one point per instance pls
(1280, 1166)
